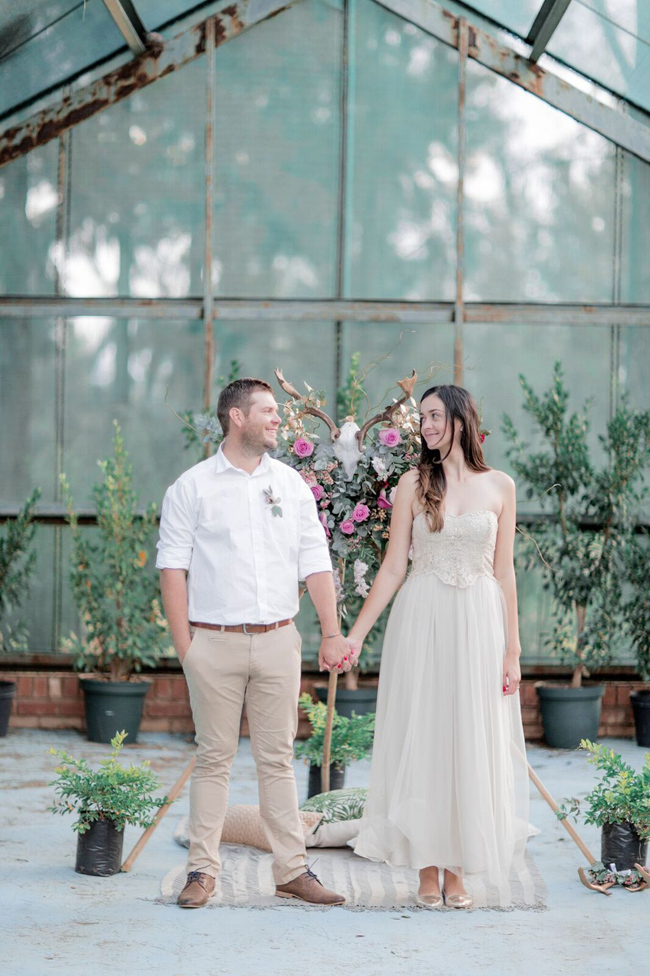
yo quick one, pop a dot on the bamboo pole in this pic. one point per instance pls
(177, 787)
(573, 833)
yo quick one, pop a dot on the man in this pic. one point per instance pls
(237, 533)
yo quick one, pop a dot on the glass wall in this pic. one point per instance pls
(336, 177)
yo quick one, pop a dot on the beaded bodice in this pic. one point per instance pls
(461, 552)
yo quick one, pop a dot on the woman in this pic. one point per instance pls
(448, 784)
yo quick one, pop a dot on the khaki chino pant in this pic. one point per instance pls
(224, 670)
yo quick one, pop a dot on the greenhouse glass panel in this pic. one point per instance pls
(516, 15)
(388, 352)
(127, 370)
(28, 202)
(494, 358)
(539, 199)
(37, 611)
(137, 198)
(43, 44)
(402, 171)
(277, 143)
(28, 435)
(635, 251)
(634, 362)
(304, 351)
(609, 41)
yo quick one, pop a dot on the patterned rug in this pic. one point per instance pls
(246, 880)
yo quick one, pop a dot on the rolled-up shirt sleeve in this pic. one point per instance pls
(313, 553)
(177, 528)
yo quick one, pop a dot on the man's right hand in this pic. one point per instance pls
(185, 645)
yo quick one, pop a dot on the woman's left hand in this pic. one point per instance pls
(511, 674)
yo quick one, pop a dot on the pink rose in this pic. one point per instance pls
(382, 501)
(389, 437)
(360, 513)
(317, 491)
(303, 447)
(308, 477)
(323, 521)
(347, 527)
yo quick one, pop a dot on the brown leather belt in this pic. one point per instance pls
(243, 628)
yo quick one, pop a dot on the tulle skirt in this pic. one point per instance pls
(448, 782)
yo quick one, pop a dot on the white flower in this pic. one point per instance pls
(379, 466)
(360, 570)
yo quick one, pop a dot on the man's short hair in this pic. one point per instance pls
(238, 394)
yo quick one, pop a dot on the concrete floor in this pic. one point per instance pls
(55, 921)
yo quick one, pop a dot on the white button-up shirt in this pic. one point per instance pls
(243, 562)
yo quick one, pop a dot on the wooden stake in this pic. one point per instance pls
(327, 738)
(178, 786)
(573, 833)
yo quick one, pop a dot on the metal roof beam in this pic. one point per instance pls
(324, 310)
(545, 25)
(129, 24)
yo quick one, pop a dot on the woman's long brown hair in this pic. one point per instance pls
(460, 407)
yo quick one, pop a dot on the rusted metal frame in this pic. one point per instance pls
(297, 310)
(208, 285)
(161, 59)
(346, 158)
(129, 24)
(544, 26)
(490, 52)
(615, 332)
(62, 234)
(459, 311)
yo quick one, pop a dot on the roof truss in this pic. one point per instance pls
(163, 58)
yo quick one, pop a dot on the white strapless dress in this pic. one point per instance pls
(448, 782)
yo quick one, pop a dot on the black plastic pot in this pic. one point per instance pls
(99, 849)
(112, 706)
(640, 701)
(570, 714)
(7, 692)
(621, 845)
(337, 779)
(358, 700)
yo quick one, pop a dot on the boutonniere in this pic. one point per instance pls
(273, 502)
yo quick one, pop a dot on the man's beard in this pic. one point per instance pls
(254, 444)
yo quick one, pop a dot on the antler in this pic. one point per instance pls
(407, 385)
(307, 408)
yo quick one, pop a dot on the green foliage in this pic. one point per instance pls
(123, 794)
(16, 568)
(351, 737)
(637, 606)
(116, 593)
(621, 796)
(583, 547)
(351, 395)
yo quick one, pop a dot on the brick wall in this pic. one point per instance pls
(54, 700)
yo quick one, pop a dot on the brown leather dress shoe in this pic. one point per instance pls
(197, 890)
(308, 888)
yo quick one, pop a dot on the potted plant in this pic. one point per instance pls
(117, 596)
(16, 568)
(620, 805)
(351, 740)
(105, 800)
(582, 545)
(637, 617)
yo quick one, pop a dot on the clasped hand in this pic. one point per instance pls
(338, 654)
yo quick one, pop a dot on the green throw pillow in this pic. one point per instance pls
(339, 804)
